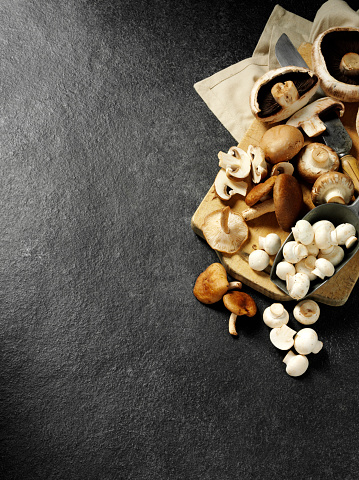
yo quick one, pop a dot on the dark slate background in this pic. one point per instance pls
(109, 367)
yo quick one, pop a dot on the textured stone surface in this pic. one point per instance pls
(109, 367)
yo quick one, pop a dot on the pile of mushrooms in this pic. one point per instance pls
(304, 342)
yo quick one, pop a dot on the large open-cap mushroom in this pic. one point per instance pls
(315, 159)
(213, 283)
(226, 187)
(281, 143)
(308, 118)
(332, 187)
(237, 163)
(279, 93)
(287, 202)
(225, 230)
(238, 303)
(335, 59)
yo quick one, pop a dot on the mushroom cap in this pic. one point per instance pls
(335, 256)
(270, 243)
(258, 260)
(327, 52)
(303, 232)
(305, 341)
(263, 104)
(306, 312)
(211, 284)
(284, 268)
(240, 303)
(275, 315)
(236, 163)
(298, 285)
(296, 364)
(259, 191)
(332, 187)
(288, 200)
(282, 337)
(281, 143)
(315, 159)
(218, 238)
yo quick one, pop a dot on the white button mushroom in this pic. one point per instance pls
(296, 364)
(258, 260)
(306, 341)
(335, 255)
(283, 268)
(312, 249)
(306, 312)
(323, 268)
(322, 235)
(307, 266)
(303, 232)
(282, 337)
(294, 252)
(298, 285)
(344, 234)
(270, 243)
(275, 316)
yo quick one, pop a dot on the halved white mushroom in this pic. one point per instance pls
(334, 254)
(308, 117)
(270, 243)
(226, 187)
(306, 312)
(307, 266)
(275, 316)
(258, 162)
(303, 232)
(306, 342)
(344, 234)
(296, 364)
(282, 337)
(294, 252)
(236, 163)
(323, 268)
(258, 260)
(298, 285)
(283, 269)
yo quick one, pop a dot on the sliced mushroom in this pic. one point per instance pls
(279, 93)
(308, 118)
(239, 304)
(225, 231)
(212, 284)
(335, 59)
(281, 143)
(332, 187)
(226, 187)
(315, 159)
(259, 164)
(236, 163)
(258, 260)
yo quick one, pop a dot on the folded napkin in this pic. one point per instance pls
(225, 91)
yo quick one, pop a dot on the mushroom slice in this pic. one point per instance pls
(225, 231)
(259, 164)
(308, 117)
(275, 316)
(279, 93)
(335, 59)
(226, 188)
(332, 187)
(236, 163)
(260, 191)
(239, 304)
(212, 284)
(315, 159)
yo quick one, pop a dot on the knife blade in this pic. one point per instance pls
(335, 135)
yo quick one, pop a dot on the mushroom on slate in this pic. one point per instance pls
(306, 312)
(296, 364)
(315, 159)
(308, 118)
(279, 93)
(335, 59)
(225, 230)
(332, 187)
(238, 303)
(212, 284)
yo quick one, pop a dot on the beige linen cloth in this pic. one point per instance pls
(227, 92)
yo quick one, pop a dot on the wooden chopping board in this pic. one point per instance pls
(336, 291)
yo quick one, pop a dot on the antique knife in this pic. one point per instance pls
(335, 135)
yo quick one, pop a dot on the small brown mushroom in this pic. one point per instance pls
(225, 230)
(308, 118)
(335, 59)
(281, 143)
(238, 303)
(260, 191)
(333, 187)
(315, 159)
(212, 284)
(279, 93)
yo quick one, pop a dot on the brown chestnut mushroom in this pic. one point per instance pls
(333, 187)
(335, 59)
(238, 303)
(281, 143)
(212, 284)
(315, 159)
(260, 191)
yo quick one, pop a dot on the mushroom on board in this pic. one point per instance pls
(308, 118)
(259, 164)
(279, 93)
(260, 191)
(315, 159)
(335, 59)
(225, 187)
(332, 187)
(225, 230)
(239, 304)
(281, 143)
(236, 163)
(212, 284)
(282, 167)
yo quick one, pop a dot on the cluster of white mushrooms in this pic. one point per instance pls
(304, 342)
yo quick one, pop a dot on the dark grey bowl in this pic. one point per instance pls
(335, 213)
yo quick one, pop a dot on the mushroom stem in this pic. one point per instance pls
(258, 210)
(285, 94)
(320, 155)
(234, 285)
(232, 324)
(224, 219)
(349, 64)
(334, 196)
